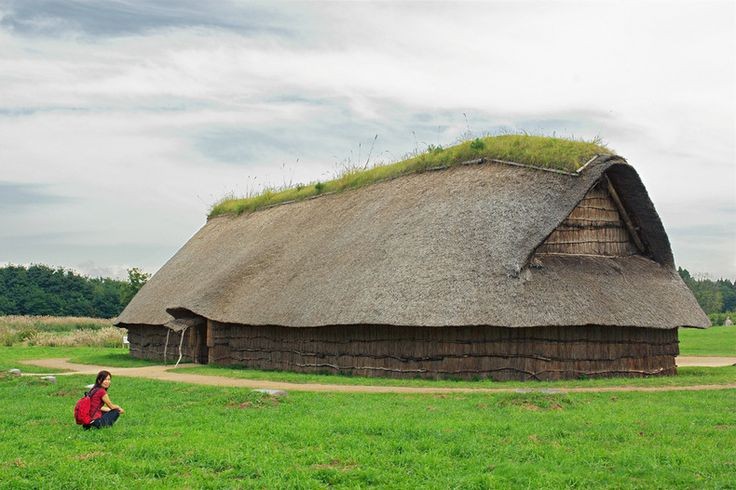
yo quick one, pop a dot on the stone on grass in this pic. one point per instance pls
(271, 392)
(14, 372)
(49, 379)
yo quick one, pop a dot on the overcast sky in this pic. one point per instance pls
(122, 122)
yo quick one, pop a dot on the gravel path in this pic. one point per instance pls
(166, 373)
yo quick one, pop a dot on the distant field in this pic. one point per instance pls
(59, 331)
(54, 323)
(183, 436)
(714, 341)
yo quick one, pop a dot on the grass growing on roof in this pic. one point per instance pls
(542, 151)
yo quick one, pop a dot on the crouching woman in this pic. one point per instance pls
(104, 412)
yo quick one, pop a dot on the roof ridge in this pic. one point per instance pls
(557, 155)
(476, 161)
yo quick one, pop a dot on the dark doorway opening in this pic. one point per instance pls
(198, 344)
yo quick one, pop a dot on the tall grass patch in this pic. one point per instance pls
(104, 337)
(59, 331)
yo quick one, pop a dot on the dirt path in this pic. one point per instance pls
(166, 373)
(706, 361)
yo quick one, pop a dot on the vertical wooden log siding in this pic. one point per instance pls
(543, 353)
(210, 336)
(147, 342)
(594, 227)
(193, 337)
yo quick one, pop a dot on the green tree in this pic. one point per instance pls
(136, 280)
(43, 290)
(709, 294)
(728, 292)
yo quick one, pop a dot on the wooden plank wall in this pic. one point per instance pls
(450, 352)
(147, 342)
(594, 227)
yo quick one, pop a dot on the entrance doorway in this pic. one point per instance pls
(198, 343)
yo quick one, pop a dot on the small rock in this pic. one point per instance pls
(14, 372)
(49, 379)
(272, 392)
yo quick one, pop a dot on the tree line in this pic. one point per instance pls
(714, 297)
(44, 290)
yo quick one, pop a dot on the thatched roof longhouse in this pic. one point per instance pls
(439, 248)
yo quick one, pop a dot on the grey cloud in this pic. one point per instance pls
(725, 230)
(91, 269)
(19, 112)
(110, 18)
(162, 104)
(52, 251)
(240, 145)
(14, 195)
(348, 138)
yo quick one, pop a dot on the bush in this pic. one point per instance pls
(718, 319)
(477, 144)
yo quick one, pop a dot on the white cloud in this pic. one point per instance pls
(128, 126)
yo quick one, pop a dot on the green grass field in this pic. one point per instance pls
(183, 436)
(714, 341)
(10, 357)
(176, 435)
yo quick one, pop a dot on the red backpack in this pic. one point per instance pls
(82, 409)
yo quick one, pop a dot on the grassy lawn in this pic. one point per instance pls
(714, 341)
(106, 356)
(686, 376)
(203, 437)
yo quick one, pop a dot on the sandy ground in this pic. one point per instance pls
(166, 373)
(706, 361)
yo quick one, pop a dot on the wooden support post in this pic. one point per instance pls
(210, 336)
(209, 341)
(629, 224)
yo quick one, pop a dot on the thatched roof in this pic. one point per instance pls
(439, 248)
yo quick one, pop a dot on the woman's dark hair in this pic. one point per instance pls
(101, 376)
